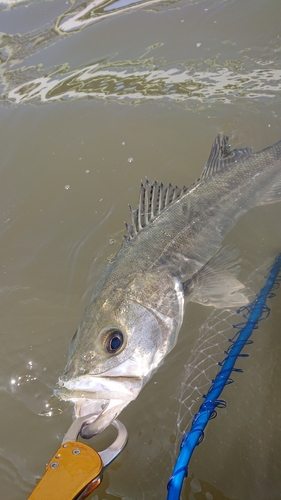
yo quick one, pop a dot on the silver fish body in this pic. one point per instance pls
(171, 255)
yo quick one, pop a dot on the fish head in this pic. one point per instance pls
(118, 345)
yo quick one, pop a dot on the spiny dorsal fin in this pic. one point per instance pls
(222, 156)
(153, 198)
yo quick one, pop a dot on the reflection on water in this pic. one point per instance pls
(100, 9)
(15, 48)
(205, 79)
(122, 82)
(208, 80)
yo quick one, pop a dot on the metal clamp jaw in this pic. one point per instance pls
(76, 469)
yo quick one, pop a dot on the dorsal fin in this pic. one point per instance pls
(153, 198)
(222, 156)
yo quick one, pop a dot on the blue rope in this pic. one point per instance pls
(252, 313)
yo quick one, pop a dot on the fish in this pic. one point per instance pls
(172, 254)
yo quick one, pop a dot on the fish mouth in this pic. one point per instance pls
(102, 397)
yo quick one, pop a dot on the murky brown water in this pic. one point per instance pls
(94, 97)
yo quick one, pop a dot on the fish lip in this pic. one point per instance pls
(101, 411)
(103, 397)
(99, 387)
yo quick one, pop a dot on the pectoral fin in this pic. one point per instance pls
(273, 195)
(216, 283)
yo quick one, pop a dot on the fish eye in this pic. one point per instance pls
(114, 341)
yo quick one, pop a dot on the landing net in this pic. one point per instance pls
(253, 313)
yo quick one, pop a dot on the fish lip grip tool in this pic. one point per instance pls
(76, 469)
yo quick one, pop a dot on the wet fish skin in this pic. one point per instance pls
(171, 256)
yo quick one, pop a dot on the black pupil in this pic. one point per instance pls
(114, 341)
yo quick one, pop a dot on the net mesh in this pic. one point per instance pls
(253, 313)
(163, 412)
